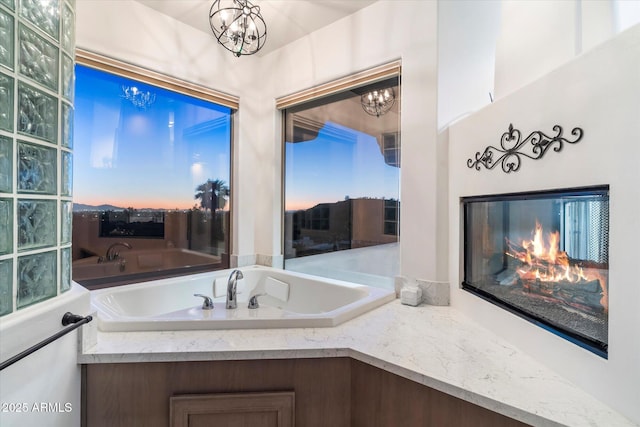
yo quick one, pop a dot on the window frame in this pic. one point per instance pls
(130, 71)
(363, 78)
(123, 69)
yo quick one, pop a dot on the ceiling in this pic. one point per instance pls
(287, 20)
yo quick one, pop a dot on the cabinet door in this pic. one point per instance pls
(274, 409)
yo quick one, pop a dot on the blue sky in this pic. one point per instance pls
(327, 169)
(156, 157)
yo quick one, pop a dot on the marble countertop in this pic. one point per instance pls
(436, 346)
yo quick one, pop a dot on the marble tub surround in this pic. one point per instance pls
(434, 293)
(431, 292)
(276, 261)
(447, 352)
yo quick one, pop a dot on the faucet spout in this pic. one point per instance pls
(232, 286)
(111, 254)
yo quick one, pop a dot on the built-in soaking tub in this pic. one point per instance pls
(287, 300)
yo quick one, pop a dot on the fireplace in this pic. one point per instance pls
(545, 257)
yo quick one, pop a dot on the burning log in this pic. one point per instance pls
(590, 286)
(543, 269)
(525, 256)
(584, 295)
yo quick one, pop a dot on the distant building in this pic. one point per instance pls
(347, 224)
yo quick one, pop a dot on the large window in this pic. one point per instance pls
(151, 180)
(342, 176)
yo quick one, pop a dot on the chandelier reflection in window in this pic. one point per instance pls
(238, 26)
(378, 102)
(141, 99)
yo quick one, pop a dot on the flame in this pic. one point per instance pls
(543, 261)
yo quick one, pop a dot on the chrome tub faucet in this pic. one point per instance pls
(207, 303)
(232, 285)
(253, 301)
(111, 254)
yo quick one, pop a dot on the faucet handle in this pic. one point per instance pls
(207, 304)
(253, 301)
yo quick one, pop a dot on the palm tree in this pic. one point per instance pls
(213, 194)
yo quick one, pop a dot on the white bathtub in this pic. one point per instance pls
(295, 301)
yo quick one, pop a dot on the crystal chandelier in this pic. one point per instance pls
(238, 26)
(137, 97)
(378, 102)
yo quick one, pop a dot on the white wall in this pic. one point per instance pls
(499, 46)
(626, 14)
(538, 36)
(599, 92)
(49, 376)
(535, 38)
(340, 49)
(467, 34)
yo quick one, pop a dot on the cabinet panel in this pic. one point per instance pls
(382, 399)
(138, 394)
(263, 419)
(233, 410)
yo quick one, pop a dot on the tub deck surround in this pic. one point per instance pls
(436, 346)
(286, 299)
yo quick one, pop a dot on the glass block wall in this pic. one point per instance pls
(37, 39)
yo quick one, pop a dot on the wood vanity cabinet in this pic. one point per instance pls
(323, 392)
(139, 394)
(233, 409)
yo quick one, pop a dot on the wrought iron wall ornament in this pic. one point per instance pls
(512, 147)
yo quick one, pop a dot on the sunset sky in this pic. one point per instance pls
(329, 170)
(128, 156)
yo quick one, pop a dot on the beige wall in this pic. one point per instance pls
(357, 221)
(368, 223)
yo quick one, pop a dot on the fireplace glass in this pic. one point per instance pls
(545, 257)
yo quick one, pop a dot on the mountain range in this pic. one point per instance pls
(78, 207)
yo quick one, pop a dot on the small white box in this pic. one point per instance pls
(411, 295)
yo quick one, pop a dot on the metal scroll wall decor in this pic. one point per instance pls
(513, 147)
